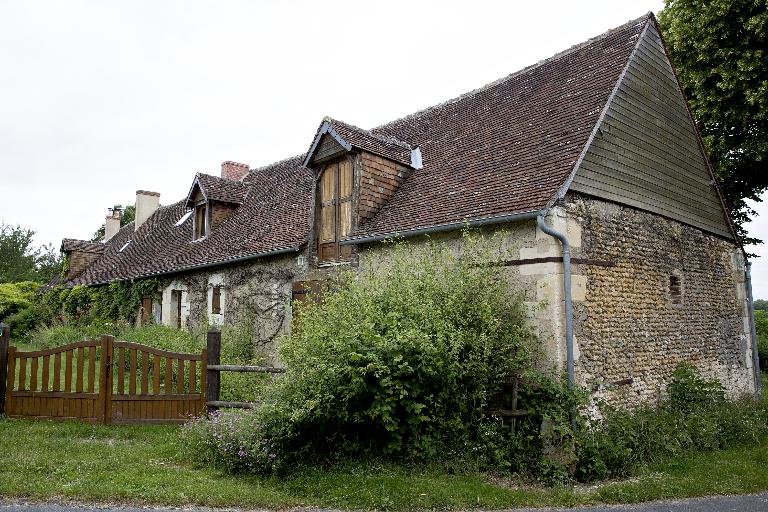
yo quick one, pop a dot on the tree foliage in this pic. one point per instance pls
(720, 50)
(129, 214)
(21, 261)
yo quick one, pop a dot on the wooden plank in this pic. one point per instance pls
(192, 376)
(46, 373)
(155, 351)
(106, 377)
(54, 394)
(132, 373)
(121, 372)
(91, 368)
(68, 371)
(154, 398)
(168, 376)
(144, 372)
(33, 375)
(57, 371)
(79, 376)
(10, 406)
(22, 373)
(5, 337)
(156, 374)
(253, 369)
(203, 375)
(180, 377)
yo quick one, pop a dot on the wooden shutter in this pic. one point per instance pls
(216, 300)
(335, 217)
(146, 309)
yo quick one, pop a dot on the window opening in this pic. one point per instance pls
(201, 221)
(335, 211)
(675, 289)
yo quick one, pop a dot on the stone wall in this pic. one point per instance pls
(673, 294)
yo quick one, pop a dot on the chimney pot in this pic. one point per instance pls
(146, 204)
(112, 223)
(233, 170)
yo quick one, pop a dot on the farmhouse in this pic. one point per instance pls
(588, 164)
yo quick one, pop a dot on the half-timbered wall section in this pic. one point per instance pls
(645, 152)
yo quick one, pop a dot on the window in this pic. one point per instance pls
(201, 221)
(216, 300)
(675, 289)
(334, 211)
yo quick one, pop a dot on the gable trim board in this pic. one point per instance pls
(654, 161)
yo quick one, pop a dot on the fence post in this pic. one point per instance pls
(213, 383)
(5, 334)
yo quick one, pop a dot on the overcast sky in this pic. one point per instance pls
(99, 99)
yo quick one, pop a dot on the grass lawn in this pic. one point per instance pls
(141, 465)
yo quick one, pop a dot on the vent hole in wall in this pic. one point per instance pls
(675, 289)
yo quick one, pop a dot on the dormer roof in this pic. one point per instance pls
(348, 138)
(214, 188)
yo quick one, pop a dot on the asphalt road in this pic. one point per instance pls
(749, 503)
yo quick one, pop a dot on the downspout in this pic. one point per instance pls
(752, 330)
(567, 292)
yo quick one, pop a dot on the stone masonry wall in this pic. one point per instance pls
(674, 294)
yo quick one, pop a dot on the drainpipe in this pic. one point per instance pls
(567, 290)
(752, 331)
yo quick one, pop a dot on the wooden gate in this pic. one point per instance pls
(106, 381)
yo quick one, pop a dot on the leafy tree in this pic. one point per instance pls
(761, 305)
(129, 213)
(720, 50)
(21, 261)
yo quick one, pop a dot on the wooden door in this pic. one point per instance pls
(335, 211)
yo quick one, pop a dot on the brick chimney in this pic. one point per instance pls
(233, 170)
(146, 204)
(112, 224)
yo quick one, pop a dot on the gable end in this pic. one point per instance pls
(646, 152)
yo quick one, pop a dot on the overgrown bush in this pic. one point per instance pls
(15, 297)
(696, 416)
(400, 360)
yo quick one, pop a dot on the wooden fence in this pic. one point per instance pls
(102, 381)
(213, 348)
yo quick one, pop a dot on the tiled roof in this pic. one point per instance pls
(221, 189)
(70, 244)
(505, 148)
(272, 217)
(381, 144)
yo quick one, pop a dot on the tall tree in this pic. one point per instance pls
(720, 50)
(21, 261)
(129, 214)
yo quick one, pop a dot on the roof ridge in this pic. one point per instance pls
(390, 139)
(278, 162)
(642, 19)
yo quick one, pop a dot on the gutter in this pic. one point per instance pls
(567, 292)
(752, 330)
(451, 226)
(275, 252)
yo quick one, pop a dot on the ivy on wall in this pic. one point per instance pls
(81, 305)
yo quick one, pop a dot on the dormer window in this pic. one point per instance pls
(334, 201)
(201, 221)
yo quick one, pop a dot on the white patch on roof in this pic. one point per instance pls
(126, 244)
(184, 218)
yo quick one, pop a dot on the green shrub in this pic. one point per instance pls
(15, 297)
(696, 416)
(400, 361)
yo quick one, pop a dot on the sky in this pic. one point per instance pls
(99, 99)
